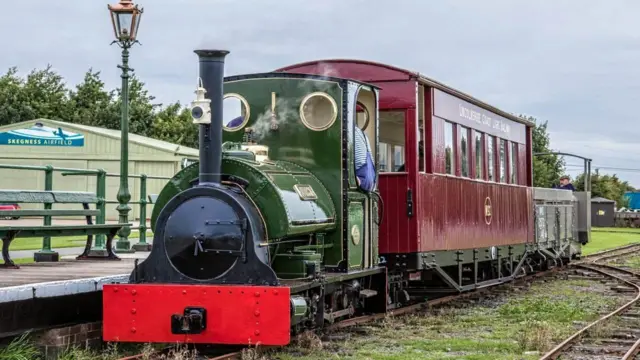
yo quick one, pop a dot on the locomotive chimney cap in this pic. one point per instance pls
(211, 52)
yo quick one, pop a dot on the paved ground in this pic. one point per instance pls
(64, 270)
(67, 268)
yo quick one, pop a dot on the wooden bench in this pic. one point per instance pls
(48, 198)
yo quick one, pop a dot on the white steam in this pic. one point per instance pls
(322, 69)
(287, 109)
(285, 114)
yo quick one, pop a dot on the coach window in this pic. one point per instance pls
(479, 156)
(503, 162)
(514, 162)
(398, 158)
(464, 151)
(392, 141)
(450, 166)
(383, 158)
(490, 159)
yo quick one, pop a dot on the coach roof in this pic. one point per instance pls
(410, 75)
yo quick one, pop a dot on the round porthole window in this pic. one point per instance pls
(235, 112)
(318, 111)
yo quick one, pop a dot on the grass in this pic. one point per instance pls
(603, 240)
(61, 241)
(632, 262)
(23, 348)
(21, 261)
(614, 229)
(111, 352)
(521, 326)
(19, 349)
(28, 260)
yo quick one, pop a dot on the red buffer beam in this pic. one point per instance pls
(235, 315)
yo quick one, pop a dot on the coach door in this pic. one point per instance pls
(396, 188)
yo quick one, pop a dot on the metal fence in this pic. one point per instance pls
(101, 190)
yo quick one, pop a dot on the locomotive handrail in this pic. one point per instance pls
(587, 165)
(563, 154)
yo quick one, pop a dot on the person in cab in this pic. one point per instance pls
(365, 169)
(565, 184)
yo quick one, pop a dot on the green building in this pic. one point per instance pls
(61, 144)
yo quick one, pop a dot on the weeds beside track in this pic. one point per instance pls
(609, 334)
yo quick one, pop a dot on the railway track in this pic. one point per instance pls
(590, 263)
(615, 335)
(237, 355)
(609, 254)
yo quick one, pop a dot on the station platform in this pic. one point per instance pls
(43, 295)
(65, 277)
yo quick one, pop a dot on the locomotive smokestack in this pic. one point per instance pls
(212, 75)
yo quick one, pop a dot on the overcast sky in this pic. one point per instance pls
(573, 63)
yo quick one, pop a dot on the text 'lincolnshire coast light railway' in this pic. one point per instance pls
(331, 189)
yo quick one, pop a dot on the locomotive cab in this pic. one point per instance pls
(293, 153)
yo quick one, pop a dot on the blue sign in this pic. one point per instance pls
(40, 135)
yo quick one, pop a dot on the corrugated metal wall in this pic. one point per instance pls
(98, 152)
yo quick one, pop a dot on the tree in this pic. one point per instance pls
(90, 104)
(12, 99)
(606, 186)
(42, 95)
(547, 169)
(142, 110)
(46, 94)
(174, 124)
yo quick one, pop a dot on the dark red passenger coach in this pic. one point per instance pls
(472, 189)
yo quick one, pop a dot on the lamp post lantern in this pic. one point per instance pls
(125, 17)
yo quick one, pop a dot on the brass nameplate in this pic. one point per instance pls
(305, 192)
(355, 234)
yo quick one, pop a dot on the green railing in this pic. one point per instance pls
(101, 192)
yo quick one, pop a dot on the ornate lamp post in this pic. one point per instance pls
(125, 17)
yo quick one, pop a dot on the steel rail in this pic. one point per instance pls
(613, 253)
(635, 350)
(601, 255)
(557, 351)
